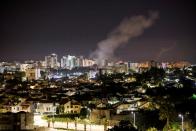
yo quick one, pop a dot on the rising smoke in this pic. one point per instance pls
(128, 28)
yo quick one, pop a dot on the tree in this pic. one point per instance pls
(167, 112)
(148, 118)
(57, 110)
(83, 113)
(61, 109)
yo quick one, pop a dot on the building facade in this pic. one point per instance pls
(51, 61)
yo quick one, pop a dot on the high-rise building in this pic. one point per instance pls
(72, 61)
(69, 62)
(80, 61)
(51, 61)
(64, 62)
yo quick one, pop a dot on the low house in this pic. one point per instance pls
(46, 107)
(71, 106)
(5, 108)
(126, 106)
(23, 106)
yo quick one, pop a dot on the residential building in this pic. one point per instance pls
(64, 62)
(46, 107)
(33, 73)
(21, 107)
(51, 61)
(71, 106)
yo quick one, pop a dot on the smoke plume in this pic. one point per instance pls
(128, 29)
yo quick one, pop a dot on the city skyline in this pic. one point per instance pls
(98, 65)
(32, 30)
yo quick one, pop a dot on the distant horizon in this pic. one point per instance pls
(59, 58)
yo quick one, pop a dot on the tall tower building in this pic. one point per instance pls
(72, 61)
(51, 61)
(64, 62)
(80, 61)
(69, 62)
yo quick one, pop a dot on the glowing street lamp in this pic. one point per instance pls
(133, 118)
(182, 117)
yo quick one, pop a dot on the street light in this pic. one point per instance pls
(90, 117)
(133, 118)
(37, 107)
(53, 114)
(181, 116)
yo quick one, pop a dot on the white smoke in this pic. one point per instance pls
(128, 28)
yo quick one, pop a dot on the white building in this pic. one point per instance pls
(72, 61)
(24, 67)
(46, 107)
(22, 106)
(64, 62)
(69, 62)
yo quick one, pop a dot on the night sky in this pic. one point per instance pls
(33, 29)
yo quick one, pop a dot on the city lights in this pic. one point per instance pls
(103, 65)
